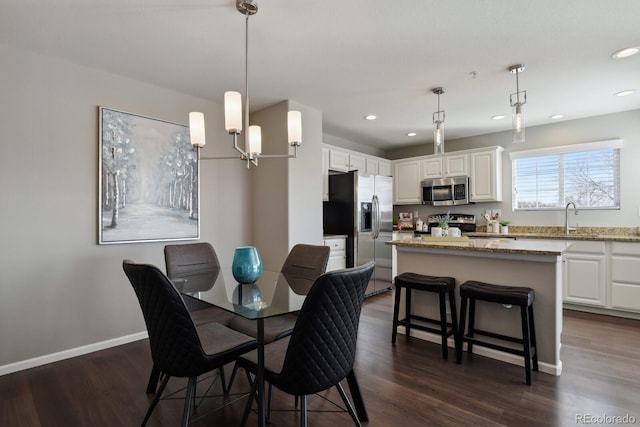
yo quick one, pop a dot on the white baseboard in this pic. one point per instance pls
(67, 354)
(484, 351)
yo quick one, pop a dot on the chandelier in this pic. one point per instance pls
(233, 107)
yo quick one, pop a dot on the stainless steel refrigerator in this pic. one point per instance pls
(361, 207)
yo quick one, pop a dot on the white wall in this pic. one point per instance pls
(623, 125)
(59, 290)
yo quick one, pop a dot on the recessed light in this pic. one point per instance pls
(625, 92)
(556, 116)
(370, 117)
(498, 117)
(411, 134)
(626, 52)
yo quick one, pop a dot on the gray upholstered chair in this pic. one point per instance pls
(320, 351)
(179, 348)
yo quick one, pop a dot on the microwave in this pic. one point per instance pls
(445, 191)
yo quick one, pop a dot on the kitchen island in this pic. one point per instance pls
(536, 264)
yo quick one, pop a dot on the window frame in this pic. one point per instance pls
(612, 144)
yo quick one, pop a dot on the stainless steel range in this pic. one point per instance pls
(465, 222)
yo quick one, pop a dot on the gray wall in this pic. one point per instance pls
(623, 125)
(286, 192)
(59, 290)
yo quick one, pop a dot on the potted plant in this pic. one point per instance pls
(443, 225)
(504, 226)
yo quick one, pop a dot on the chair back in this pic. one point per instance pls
(175, 346)
(185, 259)
(322, 347)
(304, 264)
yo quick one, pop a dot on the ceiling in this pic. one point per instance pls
(357, 57)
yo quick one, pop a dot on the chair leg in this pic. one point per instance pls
(155, 400)
(396, 308)
(532, 328)
(443, 325)
(188, 400)
(269, 401)
(472, 322)
(153, 380)
(461, 327)
(225, 389)
(247, 408)
(407, 310)
(303, 411)
(233, 376)
(454, 317)
(527, 342)
(348, 404)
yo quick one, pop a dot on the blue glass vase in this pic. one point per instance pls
(246, 267)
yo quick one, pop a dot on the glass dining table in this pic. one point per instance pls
(273, 294)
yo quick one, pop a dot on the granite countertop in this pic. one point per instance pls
(498, 245)
(614, 234)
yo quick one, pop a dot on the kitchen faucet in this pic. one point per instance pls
(567, 229)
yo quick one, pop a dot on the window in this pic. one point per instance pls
(549, 178)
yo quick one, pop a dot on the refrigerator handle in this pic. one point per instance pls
(376, 216)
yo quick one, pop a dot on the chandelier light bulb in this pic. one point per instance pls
(196, 129)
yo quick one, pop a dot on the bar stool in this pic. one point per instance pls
(440, 285)
(473, 291)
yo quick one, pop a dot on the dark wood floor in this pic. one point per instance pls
(405, 385)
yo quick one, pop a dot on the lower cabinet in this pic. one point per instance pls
(625, 276)
(337, 252)
(584, 273)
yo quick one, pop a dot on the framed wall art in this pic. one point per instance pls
(148, 180)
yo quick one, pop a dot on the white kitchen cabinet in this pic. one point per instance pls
(384, 167)
(337, 252)
(372, 166)
(584, 273)
(339, 160)
(357, 163)
(486, 175)
(325, 174)
(432, 167)
(456, 165)
(625, 276)
(406, 182)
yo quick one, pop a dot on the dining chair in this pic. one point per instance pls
(179, 348)
(320, 351)
(184, 260)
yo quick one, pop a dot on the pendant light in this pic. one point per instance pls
(517, 104)
(438, 130)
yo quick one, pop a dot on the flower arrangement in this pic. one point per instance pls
(443, 220)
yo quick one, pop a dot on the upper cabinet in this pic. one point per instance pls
(432, 167)
(445, 166)
(406, 182)
(486, 175)
(342, 160)
(484, 167)
(456, 164)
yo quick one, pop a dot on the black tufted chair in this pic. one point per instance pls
(320, 352)
(185, 260)
(179, 348)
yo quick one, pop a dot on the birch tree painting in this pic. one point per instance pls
(148, 180)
